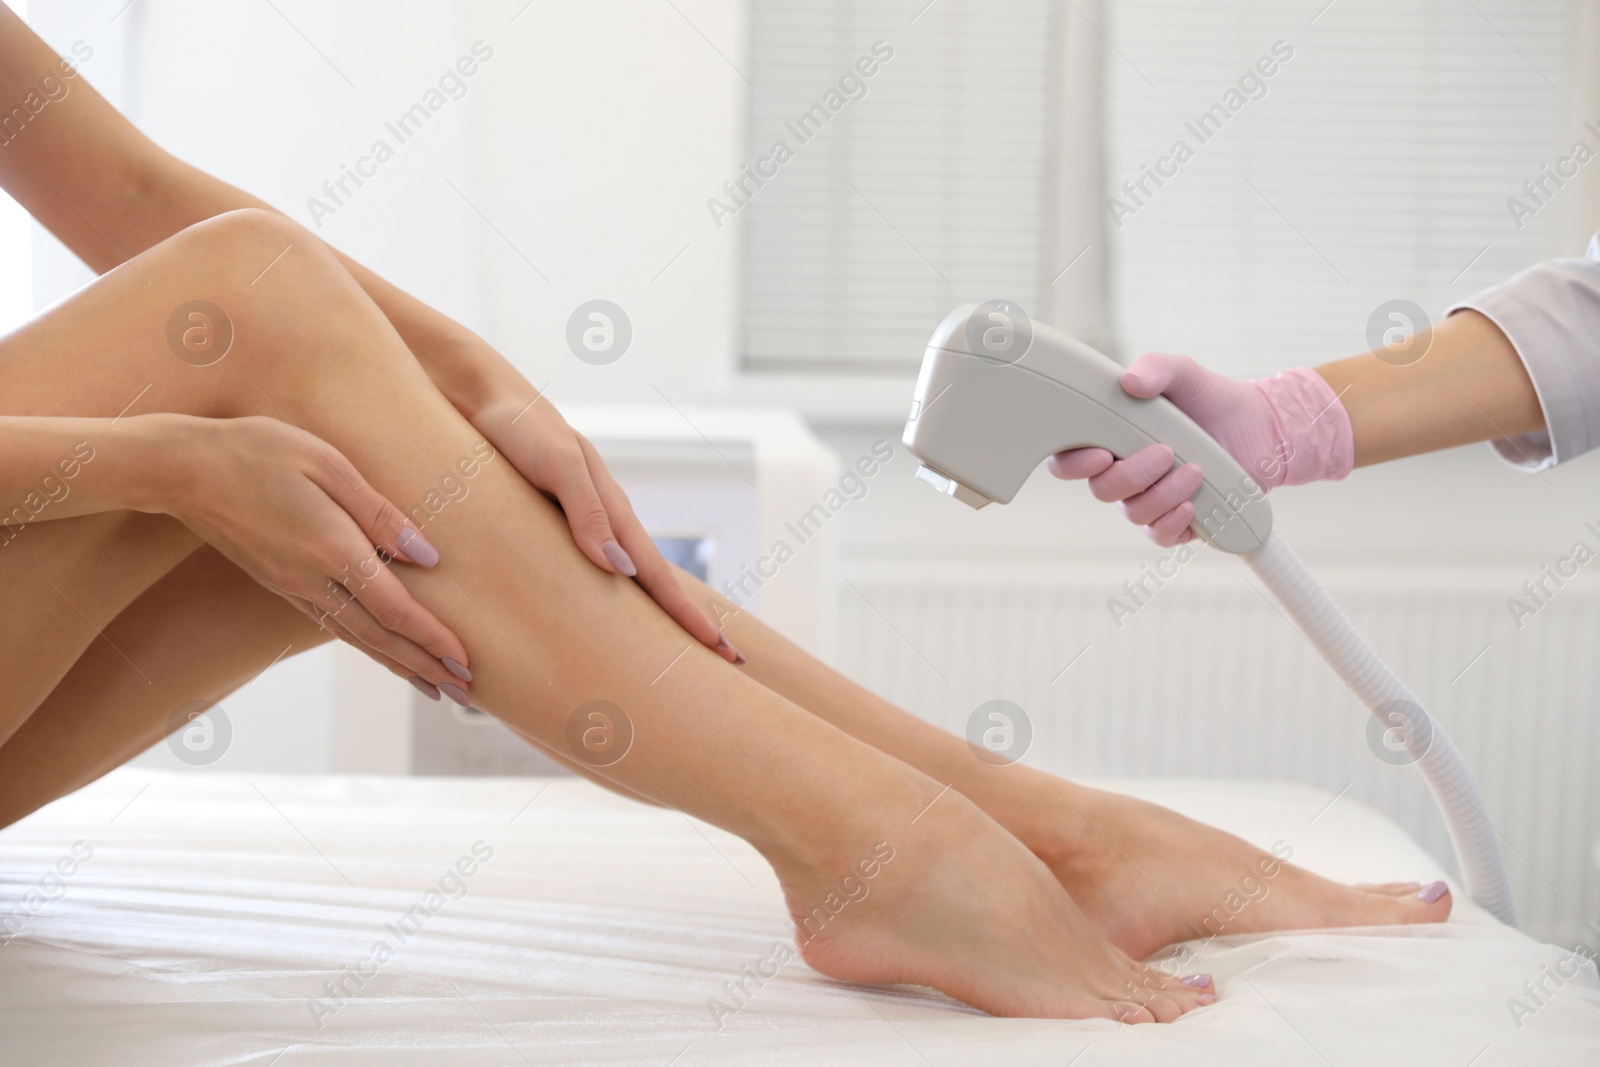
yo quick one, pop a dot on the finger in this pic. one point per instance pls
(367, 577)
(658, 579)
(571, 477)
(385, 525)
(1078, 463)
(1176, 486)
(1158, 373)
(1173, 527)
(369, 629)
(653, 572)
(393, 607)
(332, 624)
(1138, 472)
(309, 610)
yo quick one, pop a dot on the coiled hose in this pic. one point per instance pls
(1403, 716)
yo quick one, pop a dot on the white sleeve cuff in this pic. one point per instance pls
(1551, 314)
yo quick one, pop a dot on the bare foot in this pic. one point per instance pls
(954, 902)
(1150, 877)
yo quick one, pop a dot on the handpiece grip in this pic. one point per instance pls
(984, 420)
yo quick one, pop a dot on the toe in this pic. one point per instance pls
(1169, 997)
(1404, 902)
(1435, 899)
(1126, 1011)
(1165, 1009)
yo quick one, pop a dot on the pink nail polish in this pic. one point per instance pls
(619, 559)
(424, 687)
(1432, 893)
(455, 693)
(416, 548)
(1196, 981)
(1205, 998)
(456, 669)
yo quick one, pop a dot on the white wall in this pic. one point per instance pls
(606, 130)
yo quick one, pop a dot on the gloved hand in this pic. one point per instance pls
(1285, 430)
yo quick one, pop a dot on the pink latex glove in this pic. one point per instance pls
(1285, 430)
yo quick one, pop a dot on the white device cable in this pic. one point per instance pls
(1320, 619)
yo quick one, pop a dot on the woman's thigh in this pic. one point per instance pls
(62, 583)
(198, 633)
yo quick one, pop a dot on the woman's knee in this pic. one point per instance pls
(281, 302)
(236, 251)
(258, 260)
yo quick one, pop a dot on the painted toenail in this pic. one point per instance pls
(1433, 892)
(1196, 981)
(1206, 998)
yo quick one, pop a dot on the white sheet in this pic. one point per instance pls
(213, 909)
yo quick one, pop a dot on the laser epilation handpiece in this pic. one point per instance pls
(999, 392)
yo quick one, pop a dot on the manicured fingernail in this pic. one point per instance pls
(725, 645)
(424, 687)
(456, 669)
(1433, 892)
(1205, 998)
(416, 548)
(454, 692)
(1196, 981)
(619, 559)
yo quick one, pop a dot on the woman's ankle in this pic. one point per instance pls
(1047, 814)
(843, 844)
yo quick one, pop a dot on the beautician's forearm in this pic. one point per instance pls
(1470, 386)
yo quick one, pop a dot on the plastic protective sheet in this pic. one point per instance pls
(220, 919)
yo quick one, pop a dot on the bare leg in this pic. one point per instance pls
(201, 631)
(48, 567)
(1148, 876)
(548, 633)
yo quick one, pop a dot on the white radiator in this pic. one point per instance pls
(1205, 678)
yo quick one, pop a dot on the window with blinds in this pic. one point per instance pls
(904, 191)
(1374, 162)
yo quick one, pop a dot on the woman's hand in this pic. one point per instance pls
(560, 462)
(293, 513)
